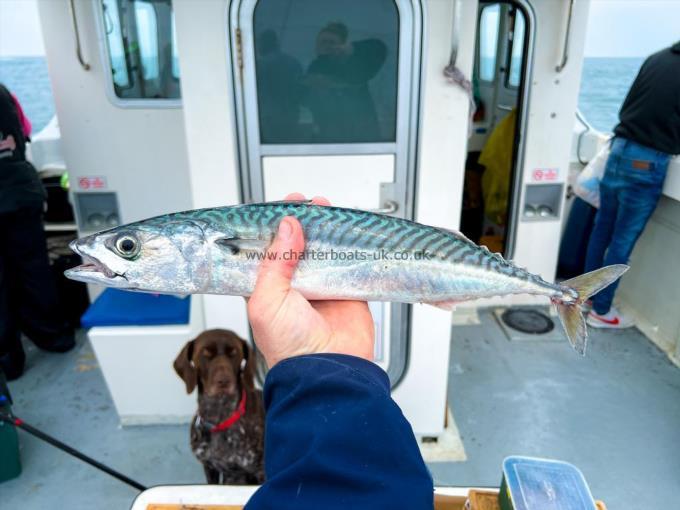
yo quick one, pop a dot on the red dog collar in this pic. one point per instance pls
(233, 417)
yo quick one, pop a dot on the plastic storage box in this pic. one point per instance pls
(541, 484)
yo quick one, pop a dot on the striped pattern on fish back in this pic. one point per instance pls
(356, 229)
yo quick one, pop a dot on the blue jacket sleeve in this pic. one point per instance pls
(334, 438)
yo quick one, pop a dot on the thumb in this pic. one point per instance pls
(280, 261)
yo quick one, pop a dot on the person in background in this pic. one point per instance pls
(647, 136)
(334, 437)
(337, 86)
(26, 127)
(28, 295)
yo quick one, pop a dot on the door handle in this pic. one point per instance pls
(504, 107)
(389, 207)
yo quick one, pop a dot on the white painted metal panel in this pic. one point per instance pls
(442, 150)
(347, 181)
(210, 128)
(552, 103)
(145, 388)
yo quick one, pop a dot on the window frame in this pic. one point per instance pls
(104, 52)
(511, 46)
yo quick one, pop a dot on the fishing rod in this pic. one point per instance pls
(11, 419)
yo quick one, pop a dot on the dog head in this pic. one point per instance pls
(219, 362)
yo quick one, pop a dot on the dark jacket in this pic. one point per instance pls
(335, 439)
(650, 115)
(20, 186)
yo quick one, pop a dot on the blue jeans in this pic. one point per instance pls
(629, 191)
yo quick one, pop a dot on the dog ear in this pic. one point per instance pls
(248, 367)
(185, 368)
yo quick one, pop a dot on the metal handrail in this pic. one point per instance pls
(582, 119)
(389, 207)
(565, 50)
(453, 57)
(79, 53)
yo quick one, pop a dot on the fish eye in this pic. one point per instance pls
(127, 246)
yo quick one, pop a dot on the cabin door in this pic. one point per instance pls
(493, 168)
(326, 92)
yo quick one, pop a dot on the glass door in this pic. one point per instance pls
(326, 92)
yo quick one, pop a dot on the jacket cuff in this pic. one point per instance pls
(319, 366)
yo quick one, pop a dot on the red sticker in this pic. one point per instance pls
(93, 182)
(545, 174)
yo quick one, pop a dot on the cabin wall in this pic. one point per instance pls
(141, 152)
(547, 139)
(440, 173)
(444, 111)
(553, 101)
(649, 290)
(205, 66)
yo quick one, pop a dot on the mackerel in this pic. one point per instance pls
(349, 254)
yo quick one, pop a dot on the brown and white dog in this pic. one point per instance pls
(227, 432)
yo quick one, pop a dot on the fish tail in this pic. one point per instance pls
(586, 285)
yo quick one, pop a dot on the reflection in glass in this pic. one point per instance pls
(145, 16)
(517, 49)
(141, 47)
(115, 44)
(488, 41)
(326, 70)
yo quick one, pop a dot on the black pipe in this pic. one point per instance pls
(20, 424)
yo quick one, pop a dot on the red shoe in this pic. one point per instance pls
(613, 319)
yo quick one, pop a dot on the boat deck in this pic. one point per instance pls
(614, 414)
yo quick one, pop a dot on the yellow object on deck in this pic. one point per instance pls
(496, 157)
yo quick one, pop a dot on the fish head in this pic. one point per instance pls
(166, 257)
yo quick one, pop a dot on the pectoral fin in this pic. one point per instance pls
(236, 245)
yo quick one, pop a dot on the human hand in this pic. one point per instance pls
(285, 324)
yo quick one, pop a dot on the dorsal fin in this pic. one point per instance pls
(457, 234)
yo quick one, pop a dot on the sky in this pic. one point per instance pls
(20, 29)
(616, 28)
(631, 28)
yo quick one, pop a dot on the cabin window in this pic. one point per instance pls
(142, 49)
(516, 50)
(325, 76)
(488, 42)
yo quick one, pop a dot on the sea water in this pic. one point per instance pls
(27, 78)
(604, 84)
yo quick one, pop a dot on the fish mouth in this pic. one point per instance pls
(92, 270)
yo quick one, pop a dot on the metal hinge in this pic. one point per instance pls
(239, 53)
